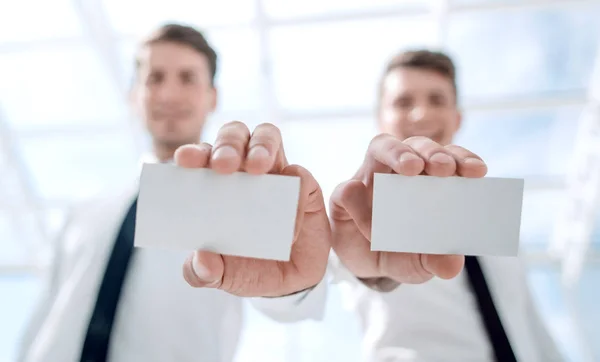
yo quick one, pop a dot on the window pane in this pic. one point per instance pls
(150, 14)
(74, 168)
(240, 76)
(54, 219)
(337, 65)
(15, 311)
(238, 70)
(311, 144)
(485, 2)
(12, 247)
(30, 20)
(548, 295)
(528, 53)
(58, 86)
(522, 143)
(290, 9)
(540, 210)
(587, 302)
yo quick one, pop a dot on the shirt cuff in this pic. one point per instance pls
(306, 304)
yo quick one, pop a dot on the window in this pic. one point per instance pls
(557, 305)
(291, 9)
(11, 241)
(524, 54)
(72, 168)
(522, 143)
(16, 310)
(336, 65)
(138, 17)
(33, 20)
(318, 146)
(59, 86)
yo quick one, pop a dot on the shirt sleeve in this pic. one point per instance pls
(308, 304)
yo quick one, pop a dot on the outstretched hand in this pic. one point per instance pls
(351, 207)
(260, 152)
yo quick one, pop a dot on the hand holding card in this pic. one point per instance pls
(261, 156)
(352, 210)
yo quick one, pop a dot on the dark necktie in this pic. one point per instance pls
(493, 325)
(97, 339)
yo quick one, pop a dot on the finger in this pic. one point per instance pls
(438, 160)
(468, 163)
(443, 266)
(387, 153)
(193, 156)
(350, 210)
(203, 269)
(414, 268)
(264, 150)
(309, 200)
(353, 198)
(230, 147)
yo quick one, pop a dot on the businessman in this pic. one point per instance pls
(105, 300)
(414, 307)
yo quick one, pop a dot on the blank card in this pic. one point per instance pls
(446, 215)
(238, 214)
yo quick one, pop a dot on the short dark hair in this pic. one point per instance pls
(184, 35)
(435, 61)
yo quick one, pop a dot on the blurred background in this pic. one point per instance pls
(529, 81)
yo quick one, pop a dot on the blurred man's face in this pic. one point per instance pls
(174, 94)
(417, 102)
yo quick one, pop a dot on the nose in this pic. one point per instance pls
(168, 90)
(418, 114)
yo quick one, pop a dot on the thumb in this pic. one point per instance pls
(353, 198)
(204, 269)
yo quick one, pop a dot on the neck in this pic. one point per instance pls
(164, 153)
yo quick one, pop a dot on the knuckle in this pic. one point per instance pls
(238, 278)
(384, 143)
(460, 151)
(382, 137)
(266, 141)
(421, 143)
(267, 135)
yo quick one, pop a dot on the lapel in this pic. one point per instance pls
(93, 229)
(507, 281)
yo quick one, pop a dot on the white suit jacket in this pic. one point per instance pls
(160, 317)
(432, 322)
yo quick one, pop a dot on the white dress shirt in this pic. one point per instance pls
(437, 321)
(160, 318)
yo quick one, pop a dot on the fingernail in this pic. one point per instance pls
(407, 156)
(474, 162)
(225, 152)
(200, 269)
(441, 158)
(258, 152)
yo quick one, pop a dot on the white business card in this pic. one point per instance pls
(446, 215)
(238, 214)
